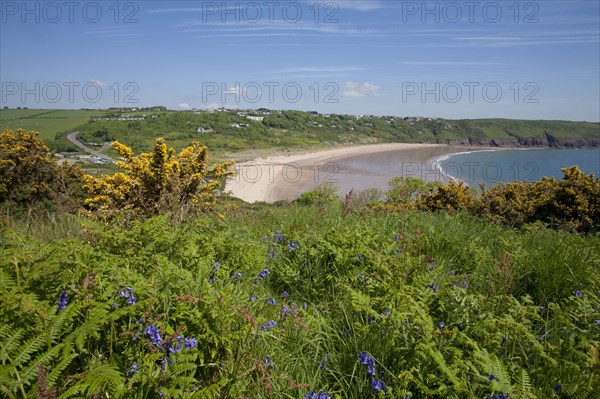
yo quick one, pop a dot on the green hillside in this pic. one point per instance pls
(230, 131)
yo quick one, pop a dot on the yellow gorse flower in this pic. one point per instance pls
(157, 182)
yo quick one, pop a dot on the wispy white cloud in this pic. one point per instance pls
(275, 28)
(184, 105)
(320, 69)
(359, 5)
(356, 89)
(450, 63)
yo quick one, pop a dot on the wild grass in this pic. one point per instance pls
(448, 306)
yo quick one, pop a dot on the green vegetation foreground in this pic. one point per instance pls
(289, 301)
(282, 300)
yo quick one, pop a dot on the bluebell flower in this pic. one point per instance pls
(491, 376)
(347, 330)
(269, 362)
(62, 300)
(271, 301)
(272, 255)
(134, 369)
(190, 343)
(261, 275)
(254, 297)
(152, 332)
(268, 325)
(395, 237)
(317, 395)
(215, 269)
(304, 306)
(284, 294)
(387, 312)
(130, 297)
(398, 251)
(557, 387)
(367, 360)
(126, 292)
(434, 287)
(360, 257)
(278, 236)
(442, 324)
(577, 294)
(178, 346)
(322, 364)
(597, 322)
(293, 246)
(377, 385)
(237, 276)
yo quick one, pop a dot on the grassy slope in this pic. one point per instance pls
(508, 274)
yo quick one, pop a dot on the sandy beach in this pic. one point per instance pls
(284, 178)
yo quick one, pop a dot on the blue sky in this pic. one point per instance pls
(452, 59)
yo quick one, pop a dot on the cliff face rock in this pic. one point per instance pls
(533, 142)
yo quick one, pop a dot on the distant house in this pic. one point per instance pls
(236, 125)
(255, 118)
(201, 130)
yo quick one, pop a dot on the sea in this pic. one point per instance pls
(496, 166)
(473, 166)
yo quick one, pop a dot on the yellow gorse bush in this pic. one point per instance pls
(30, 173)
(572, 203)
(151, 183)
(25, 166)
(449, 197)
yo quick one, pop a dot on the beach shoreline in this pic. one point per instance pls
(284, 178)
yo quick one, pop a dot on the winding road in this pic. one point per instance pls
(73, 139)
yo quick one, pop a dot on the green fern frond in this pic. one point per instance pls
(94, 323)
(30, 372)
(103, 379)
(31, 346)
(8, 347)
(212, 391)
(59, 323)
(57, 369)
(7, 283)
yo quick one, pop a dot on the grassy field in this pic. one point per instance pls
(48, 122)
